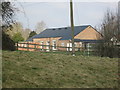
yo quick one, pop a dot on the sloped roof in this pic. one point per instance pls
(64, 32)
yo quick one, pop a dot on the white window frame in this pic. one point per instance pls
(75, 44)
(25, 45)
(81, 44)
(42, 44)
(47, 43)
(62, 44)
(70, 46)
(54, 47)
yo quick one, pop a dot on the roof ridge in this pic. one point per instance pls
(66, 27)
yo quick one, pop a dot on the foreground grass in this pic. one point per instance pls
(53, 70)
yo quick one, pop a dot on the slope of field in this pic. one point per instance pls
(55, 70)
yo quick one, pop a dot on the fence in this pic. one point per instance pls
(33, 46)
(38, 47)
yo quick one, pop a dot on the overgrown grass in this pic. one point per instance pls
(57, 70)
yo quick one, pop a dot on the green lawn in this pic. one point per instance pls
(57, 70)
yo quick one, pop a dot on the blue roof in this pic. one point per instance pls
(64, 32)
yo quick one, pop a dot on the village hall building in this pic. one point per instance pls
(61, 37)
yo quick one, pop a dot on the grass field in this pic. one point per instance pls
(57, 70)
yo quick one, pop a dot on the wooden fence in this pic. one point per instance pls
(32, 46)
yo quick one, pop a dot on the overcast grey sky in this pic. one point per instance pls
(56, 14)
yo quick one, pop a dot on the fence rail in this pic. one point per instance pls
(26, 46)
(36, 46)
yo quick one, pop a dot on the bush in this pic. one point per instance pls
(17, 37)
(107, 50)
(7, 42)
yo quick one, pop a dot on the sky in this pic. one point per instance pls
(57, 14)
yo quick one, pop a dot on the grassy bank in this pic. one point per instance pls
(53, 70)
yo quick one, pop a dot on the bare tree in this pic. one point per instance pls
(40, 27)
(118, 21)
(8, 11)
(109, 24)
(16, 28)
(25, 33)
(110, 32)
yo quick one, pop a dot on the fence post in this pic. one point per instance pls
(49, 46)
(17, 46)
(88, 45)
(27, 46)
(35, 46)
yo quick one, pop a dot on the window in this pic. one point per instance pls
(42, 44)
(22, 45)
(80, 44)
(89, 45)
(54, 45)
(25, 45)
(69, 45)
(47, 43)
(62, 44)
(75, 44)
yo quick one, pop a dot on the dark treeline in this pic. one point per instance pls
(12, 31)
(8, 13)
(110, 46)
